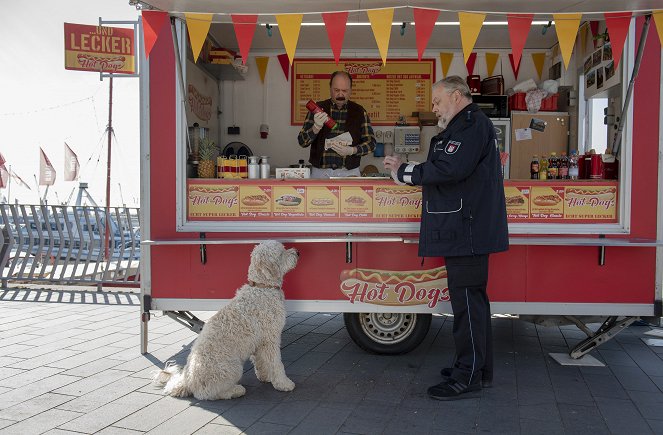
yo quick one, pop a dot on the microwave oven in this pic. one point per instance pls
(494, 106)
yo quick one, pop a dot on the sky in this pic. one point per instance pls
(44, 105)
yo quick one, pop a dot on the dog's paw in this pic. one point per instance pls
(284, 385)
(237, 391)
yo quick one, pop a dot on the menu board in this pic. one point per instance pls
(363, 201)
(400, 87)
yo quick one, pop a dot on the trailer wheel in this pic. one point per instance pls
(387, 333)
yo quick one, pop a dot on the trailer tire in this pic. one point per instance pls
(387, 333)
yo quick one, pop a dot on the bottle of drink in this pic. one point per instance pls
(543, 168)
(264, 167)
(312, 107)
(563, 167)
(534, 168)
(573, 165)
(553, 169)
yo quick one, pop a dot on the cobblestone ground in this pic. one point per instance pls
(70, 362)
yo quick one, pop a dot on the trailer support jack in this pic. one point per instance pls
(187, 319)
(608, 330)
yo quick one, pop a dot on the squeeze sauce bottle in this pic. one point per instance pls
(312, 107)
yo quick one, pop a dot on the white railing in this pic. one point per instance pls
(67, 244)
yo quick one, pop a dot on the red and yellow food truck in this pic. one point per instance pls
(580, 249)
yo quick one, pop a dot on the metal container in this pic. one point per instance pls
(254, 168)
(264, 167)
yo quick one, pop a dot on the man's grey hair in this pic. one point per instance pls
(455, 83)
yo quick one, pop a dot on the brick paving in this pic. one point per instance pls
(70, 362)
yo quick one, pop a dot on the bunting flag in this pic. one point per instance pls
(4, 174)
(617, 24)
(335, 23)
(583, 40)
(519, 27)
(198, 26)
(46, 170)
(658, 19)
(445, 61)
(261, 63)
(491, 61)
(424, 22)
(245, 27)
(289, 25)
(19, 180)
(539, 60)
(566, 26)
(470, 26)
(285, 66)
(71, 166)
(469, 64)
(381, 24)
(514, 68)
(594, 26)
(153, 21)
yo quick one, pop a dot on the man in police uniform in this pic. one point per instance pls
(463, 220)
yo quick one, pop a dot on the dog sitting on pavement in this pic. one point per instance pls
(248, 327)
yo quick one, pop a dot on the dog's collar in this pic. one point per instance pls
(261, 285)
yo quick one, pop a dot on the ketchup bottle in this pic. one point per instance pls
(312, 107)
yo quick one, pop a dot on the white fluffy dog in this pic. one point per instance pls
(248, 327)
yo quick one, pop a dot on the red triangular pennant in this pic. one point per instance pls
(152, 23)
(519, 26)
(335, 24)
(285, 64)
(617, 24)
(424, 22)
(594, 26)
(245, 27)
(470, 63)
(513, 67)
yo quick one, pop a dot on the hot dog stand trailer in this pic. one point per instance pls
(594, 253)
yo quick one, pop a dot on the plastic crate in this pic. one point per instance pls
(548, 104)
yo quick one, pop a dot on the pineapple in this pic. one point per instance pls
(207, 153)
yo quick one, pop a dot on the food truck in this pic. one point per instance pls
(583, 247)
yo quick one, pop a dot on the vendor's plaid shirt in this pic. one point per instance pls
(330, 159)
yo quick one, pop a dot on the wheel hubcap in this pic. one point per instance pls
(387, 328)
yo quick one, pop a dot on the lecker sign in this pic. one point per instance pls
(99, 49)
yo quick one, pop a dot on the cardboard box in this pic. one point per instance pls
(296, 173)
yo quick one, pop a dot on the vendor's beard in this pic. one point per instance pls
(442, 123)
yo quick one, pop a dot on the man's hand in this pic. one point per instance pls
(392, 163)
(343, 150)
(319, 120)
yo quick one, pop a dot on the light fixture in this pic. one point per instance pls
(546, 27)
(403, 28)
(268, 27)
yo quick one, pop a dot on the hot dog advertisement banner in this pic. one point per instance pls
(99, 49)
(385, 91)
(275, 200)
(388, 287)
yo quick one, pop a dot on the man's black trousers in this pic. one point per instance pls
(467, 277)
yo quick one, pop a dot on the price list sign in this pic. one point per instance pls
(400, 87)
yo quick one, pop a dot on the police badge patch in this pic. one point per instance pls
(452, 147)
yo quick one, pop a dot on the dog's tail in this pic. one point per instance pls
(172, 379)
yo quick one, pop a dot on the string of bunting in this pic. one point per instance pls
(566, 25)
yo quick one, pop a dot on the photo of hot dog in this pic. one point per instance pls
(547, 200)
(404, 190)
(394, 277)
(211, 191)
(322, 201)
(355, 200)
(255, 200)
(516, 200)
(602, 193)
(288, 200)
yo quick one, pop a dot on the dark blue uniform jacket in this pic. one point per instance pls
(463, 210)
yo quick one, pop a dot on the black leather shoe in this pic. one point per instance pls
(453, 390)
(446, 373)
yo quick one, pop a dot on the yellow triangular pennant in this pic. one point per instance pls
(491, 61)
(289, 25)
(445, 61)
(539, 59)
(381, 24)
(262, 62)
(470, 26)
(198, 26)
(566, 26)
(658, 19)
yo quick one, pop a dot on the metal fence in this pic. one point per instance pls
(69, 244)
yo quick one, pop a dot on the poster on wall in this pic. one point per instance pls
(399, 88)
(600, 72)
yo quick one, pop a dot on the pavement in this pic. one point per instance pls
(70, 362)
